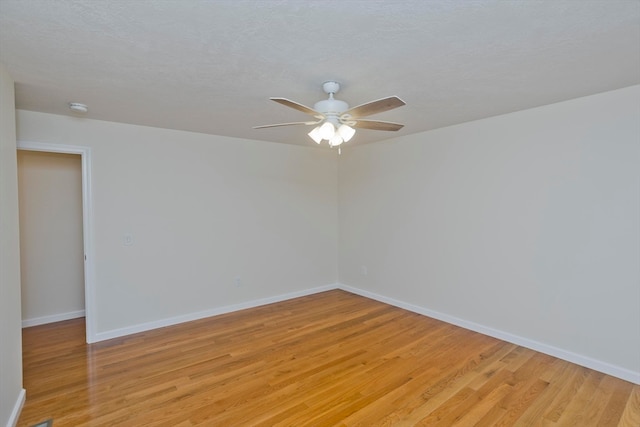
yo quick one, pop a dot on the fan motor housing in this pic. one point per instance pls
(331, 105)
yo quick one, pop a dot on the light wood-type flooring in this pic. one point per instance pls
(327, 359)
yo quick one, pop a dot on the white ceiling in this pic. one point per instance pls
(210, 66)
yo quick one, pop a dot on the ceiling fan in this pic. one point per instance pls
(335, 121)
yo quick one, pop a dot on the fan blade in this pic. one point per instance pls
(377, 125)
(296, 106)
(287, 124)
(373, 107)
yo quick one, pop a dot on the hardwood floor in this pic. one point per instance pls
(327, 359)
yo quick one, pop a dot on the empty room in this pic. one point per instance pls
(291, 213)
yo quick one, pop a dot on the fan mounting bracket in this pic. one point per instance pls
(331, 87)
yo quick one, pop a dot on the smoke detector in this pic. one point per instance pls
(76, 107)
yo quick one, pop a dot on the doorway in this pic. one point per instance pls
(51, 252)
(86, 251)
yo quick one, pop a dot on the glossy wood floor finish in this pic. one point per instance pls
(328, 359)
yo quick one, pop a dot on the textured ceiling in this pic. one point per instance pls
(210, 66)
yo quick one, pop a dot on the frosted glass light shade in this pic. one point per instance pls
(315, 134)
(327, 130)
(336, 140)
(346, 132)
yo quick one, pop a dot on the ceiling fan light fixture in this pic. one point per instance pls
(315, 135)
(346, 132)
(334, 121)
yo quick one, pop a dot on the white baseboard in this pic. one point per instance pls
(560, 353)
(569, 356)
(142, 327)
(52, 318)
(17, 408)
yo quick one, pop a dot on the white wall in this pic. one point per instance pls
(11, 392)
(202, 210)
(527, 223)
(51, 250)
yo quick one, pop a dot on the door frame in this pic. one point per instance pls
(87, 223)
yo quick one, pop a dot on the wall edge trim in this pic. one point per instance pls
(161, 323)
(17, 409)
(578, 359)
(35, 321)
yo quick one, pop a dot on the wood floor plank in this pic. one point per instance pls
(475, 414)
(564, 397)
(598, 402)
(631, 415)
(397, 407)
(557, 377)
(332, 358)
(574, 411)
